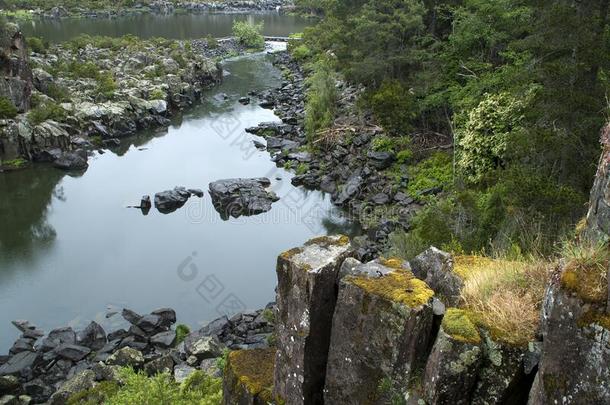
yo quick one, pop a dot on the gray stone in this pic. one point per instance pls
(164, 339)
(381, 160)
(451, 371)
(63, 335)
(71, 161)
(381, 329)
(9, 384)
(93, 336)
(170, 200)
(237, 197)
(205, 347)
(164, 364)
(348, 191)
(19, 363)
(72, 352)
(126, 356)
(306, 301)
(130, 316)
(435, 267)
(82, 381)
(182, 372)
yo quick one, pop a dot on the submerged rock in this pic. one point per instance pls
(237, 197)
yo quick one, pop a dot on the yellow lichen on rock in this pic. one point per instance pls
(457, 324)
(399, 286)
(254, 370)
(326, 241)
(586, 270)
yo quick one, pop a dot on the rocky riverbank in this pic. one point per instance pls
(57, 10)
(347, 165)
(53, 366)
(89, 93)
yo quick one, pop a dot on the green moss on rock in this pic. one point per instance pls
(253, 369)
(457, 324)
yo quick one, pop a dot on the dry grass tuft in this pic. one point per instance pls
(504, 296)
(586, 270)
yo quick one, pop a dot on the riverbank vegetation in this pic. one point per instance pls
(249, 35)
(511, 91)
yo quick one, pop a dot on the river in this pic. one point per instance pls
(70, 250)
(172, 26)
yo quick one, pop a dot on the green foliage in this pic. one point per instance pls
(302, 168)
(58, 93)
(321, 99)
(211, 41)
(221, 362)
(434, 172)
(106, 85)
(269, 315)
(157, 94)
(394, 106)
(487, 133)
(7, 108)
(47, 111)
(182, 332)
(37, 45)
(96, 395)
(138, 388)
(14, 163)
(248, 34)
(301, 52)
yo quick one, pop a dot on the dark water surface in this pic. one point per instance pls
(70, 250)
(173, 26)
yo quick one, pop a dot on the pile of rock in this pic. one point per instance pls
(348, 169)
(51, 367)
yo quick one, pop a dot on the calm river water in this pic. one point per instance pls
(70, 250)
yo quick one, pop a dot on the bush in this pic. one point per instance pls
(434, 172)
(58, 93)
(321, 99)
(106, 85)
(211, 41)
(47, 111)
(394, 107)
(37, 45)
(7, 108)
(301, 52)
(157, 94)
(138, 388)
(181, 332)
(249, 35)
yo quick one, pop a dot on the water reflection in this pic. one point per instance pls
(173, 26)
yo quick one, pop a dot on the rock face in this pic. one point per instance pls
(16, 83)
(248, 378)
(598, 218)
(380, 333)
(237, 197)
(575, 351)
(452, 368)
(306, 297)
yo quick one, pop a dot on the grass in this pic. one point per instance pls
(503, 296)
(15, 163)
(586, 270)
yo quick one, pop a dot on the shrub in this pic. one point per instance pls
(138, 388)
(58, 93)
(181, 332)
(434, 172)
(211, 41)
(7, 108)
(301, 52)
(106, 85)
(394, 107)
(37, 45)
(157, 94)
(321, 99)
(47, 111)
(302, 168)
(248, 34)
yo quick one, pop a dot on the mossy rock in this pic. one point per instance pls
(457, 324)
(249, 377)
(399, 286)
